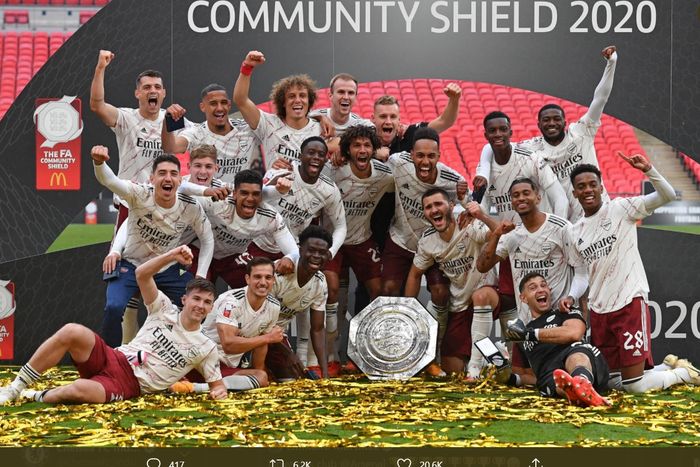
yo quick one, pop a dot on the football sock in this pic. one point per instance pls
(26, 376)
(303, 328)
(583, 371)
(652, 380)
(332, 331)
(615, 381)
(201, 388)
(39, 395)
(481, 327)
(440, 313)
(241, 382)
(130, 320)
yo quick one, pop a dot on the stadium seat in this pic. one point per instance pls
(86, 15)
(16, 17)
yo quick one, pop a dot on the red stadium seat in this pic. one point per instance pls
(86, 15)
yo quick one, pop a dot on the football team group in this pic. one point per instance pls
(536, 245)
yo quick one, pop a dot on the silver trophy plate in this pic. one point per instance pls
(393, 338)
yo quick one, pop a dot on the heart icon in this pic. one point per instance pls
(403, 462)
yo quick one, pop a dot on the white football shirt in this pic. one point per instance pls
(280, 140)
(233, 234)
(522, 163)
(153, 230)
(138, 143)
(167, 351)
(456, 259)
(236, 150)
(232, 309)
(295, 299)
(576, 148)
(606, 243)
(302, 203)
(360, 197)
(409, 222)
(544, 251)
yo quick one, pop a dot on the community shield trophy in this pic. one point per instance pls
(393, 338)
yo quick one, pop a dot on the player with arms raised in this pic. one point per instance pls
(158, 216)
(564, 148)
(605, 240)
(137, 130)
(281, 135)
(169, 345)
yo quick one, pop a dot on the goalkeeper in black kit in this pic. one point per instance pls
(563, 365)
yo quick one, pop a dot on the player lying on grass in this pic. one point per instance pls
(552, 341)
(166, 348)
(244, 320)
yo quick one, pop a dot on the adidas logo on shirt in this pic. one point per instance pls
(285, 137)
(580, 241)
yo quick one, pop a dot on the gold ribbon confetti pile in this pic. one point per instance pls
(352, 411)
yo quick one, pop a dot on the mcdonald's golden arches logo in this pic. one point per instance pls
(58, 179)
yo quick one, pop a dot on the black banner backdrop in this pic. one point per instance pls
(199, 42)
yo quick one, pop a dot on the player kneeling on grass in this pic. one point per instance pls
(552, 341)
(166, 348)
(244, 320)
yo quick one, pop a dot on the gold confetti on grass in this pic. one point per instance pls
(355, 412)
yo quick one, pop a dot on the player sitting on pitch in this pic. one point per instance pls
(166, 348)
(562, 364)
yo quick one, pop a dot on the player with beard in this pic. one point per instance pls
(454, 250)
(362, 182)
(415, 173)
(386, 117)
(605, 240)
(537, 244)
(236, 145)
(563, 364)
(302, 292)
(137, 130)
(239, 220)
(158, 216)
(243, 320)
(564, 148)
(168, 346)
(280, 134)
